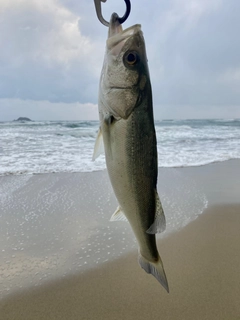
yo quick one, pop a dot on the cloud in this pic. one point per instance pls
(44, 56)
(195, 46)
(52, 50)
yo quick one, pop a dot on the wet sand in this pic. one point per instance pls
(202, 262)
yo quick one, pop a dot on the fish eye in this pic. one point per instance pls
(131, 58)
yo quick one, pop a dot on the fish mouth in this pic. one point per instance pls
(114, 26)
(116, 34)
(118, 88)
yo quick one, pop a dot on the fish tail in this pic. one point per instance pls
(154, 268)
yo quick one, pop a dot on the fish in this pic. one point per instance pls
(127, 137)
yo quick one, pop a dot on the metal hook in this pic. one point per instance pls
(99, 12)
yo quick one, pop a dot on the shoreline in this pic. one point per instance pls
(215, 162)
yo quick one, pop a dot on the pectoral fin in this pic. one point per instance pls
(118, 215)
(159, 224)
(99, 146)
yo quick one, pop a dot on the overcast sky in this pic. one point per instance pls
(51, 54)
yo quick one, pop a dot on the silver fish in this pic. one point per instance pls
(128, 137)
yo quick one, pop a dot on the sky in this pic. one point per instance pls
(52, 53)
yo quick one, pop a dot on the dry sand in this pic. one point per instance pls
(202, 262)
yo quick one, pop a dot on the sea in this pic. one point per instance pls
(67, 146)
(48, 229)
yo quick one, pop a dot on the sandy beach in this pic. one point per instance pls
(201, 261)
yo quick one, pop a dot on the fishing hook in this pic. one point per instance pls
(120, 19)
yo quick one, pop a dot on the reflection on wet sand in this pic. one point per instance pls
(53, 225)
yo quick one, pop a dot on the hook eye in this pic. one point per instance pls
(120, 19)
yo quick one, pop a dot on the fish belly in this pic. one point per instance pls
(131, 158)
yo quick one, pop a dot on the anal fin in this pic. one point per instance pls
(159, 224)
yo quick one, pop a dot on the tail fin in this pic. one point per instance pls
(156, 269)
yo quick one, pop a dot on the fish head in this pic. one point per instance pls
(125, 76)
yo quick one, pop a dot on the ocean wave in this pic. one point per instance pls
(80, 124)
(77, 134)
(67, 146)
